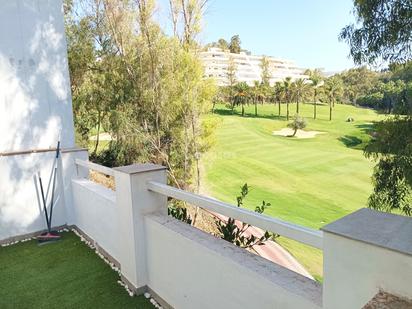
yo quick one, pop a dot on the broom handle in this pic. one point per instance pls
(44, 203)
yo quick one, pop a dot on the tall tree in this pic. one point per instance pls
(241, 95)
(287, 88)
(384, 31)
(333, 90)
(265, 73)
(186, 18)
(257, 94)
(148, 88)
(231, 80)
(234, 45)
(300, 88)
(279, 93)
(317, 82)
(223, 44)
(358, 82)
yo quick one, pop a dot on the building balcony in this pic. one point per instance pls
(367, 254)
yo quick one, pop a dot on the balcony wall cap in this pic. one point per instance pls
(377, 228)
(139, 168)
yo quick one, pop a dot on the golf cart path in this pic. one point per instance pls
(272, 251)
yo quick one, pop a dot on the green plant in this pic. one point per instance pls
(235, 232)
(179, 213)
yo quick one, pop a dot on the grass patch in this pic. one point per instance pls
(66, 274)
(308, 181)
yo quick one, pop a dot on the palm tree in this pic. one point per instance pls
(287, 88)
(316, 83)
(300, 87)
(278, 94)
(241, 94)
(256, 94)
(333, 90)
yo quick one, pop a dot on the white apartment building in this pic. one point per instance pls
(248, 67)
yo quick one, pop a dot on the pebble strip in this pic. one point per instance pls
(17, 241)
(91, 246)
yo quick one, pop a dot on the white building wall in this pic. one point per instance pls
(21, 211)
(35, 109)
(35, 102)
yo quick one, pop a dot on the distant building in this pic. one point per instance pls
(248, 67)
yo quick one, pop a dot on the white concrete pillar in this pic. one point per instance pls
(365, 252)
(134, 201)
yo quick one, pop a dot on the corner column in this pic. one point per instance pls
(134, 201)
(363, 253)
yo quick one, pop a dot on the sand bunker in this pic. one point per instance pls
(299, 134)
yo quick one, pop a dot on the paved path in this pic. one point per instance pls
(273, 251)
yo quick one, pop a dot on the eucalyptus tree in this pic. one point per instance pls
(265, 71)
(384, 31)
(234, 45)
(231, 81)
(149, 87)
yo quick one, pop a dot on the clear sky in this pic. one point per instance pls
(305, 31)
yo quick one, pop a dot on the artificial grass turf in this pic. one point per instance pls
(65, 274)
(308, 181)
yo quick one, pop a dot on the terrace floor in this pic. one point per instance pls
(66, 274)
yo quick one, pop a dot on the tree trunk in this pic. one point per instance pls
(98, 133)
(279, 107)
(287, 110)
(314, 106)
(330, 111)
(243, 109)
(297, 105)
(255, 108)
(294, 133)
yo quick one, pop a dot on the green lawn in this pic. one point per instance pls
(308, 181)
(66, 274)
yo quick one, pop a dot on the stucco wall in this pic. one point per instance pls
(191, 269)
(355, 271)
(35, 101)
(20, 209)
(35, 110)
(96, 214)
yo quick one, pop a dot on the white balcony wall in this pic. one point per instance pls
(365, 252)
(192, 269)
(95, 213)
